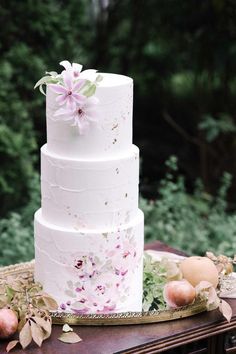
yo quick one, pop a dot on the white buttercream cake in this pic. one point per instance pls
(89, 231)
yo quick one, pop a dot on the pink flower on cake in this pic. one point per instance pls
(76, 71)
(68, 93)
(82, 115)
(73, 68)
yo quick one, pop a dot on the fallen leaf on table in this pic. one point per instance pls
(70, 337)
(66, 328)
(11, 345)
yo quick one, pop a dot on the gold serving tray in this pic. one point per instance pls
(125, 318)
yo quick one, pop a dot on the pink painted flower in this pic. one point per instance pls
(68, 93)
(98, 295)
(82, 115)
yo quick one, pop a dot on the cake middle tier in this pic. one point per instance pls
(89, 193)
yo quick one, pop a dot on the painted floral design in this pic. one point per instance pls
(75, 91)
(101, 282)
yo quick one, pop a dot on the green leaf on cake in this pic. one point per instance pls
(43, 81)
(52, 73)
(99, 78)
(90, 91)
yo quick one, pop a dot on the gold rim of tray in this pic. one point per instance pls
(124, 318)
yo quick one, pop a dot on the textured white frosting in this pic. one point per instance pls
(111, 136)
(88, 271)
(89, 193)
(89, 233)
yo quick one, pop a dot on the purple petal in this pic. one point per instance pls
(68, 79)
(70, 103)
(58, 88)
(78, 98)
(61, 99)
(78, 84)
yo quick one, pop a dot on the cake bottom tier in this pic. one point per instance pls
(91, 271)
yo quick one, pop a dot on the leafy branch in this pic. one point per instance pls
(32, 306)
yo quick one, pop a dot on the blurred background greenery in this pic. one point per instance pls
(182, 57)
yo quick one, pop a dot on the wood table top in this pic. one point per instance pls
(138, 339)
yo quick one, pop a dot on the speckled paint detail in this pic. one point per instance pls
(89, 193)
(91, 272)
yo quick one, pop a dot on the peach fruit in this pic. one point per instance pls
(178, 293)
(8, 323)
(195, 269)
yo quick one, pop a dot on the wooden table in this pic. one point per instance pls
(202, 333)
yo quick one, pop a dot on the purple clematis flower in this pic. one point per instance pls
(76, 71)
(81, 115)
(73, 68)
(68, 93)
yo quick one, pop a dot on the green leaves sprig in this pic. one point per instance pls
(155, 275)
(51, 77)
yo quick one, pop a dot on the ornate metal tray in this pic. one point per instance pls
(125, 318)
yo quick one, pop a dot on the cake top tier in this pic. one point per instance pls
(89, 114)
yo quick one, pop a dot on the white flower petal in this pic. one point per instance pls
(92, 101)
(61, 111)
(66, 64)
(89, 74)
(64, 114)
(77, 67)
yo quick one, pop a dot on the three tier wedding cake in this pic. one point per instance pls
(89, 231)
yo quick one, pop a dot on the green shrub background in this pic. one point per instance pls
(182, 57)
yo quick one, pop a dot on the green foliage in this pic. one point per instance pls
(213, 127)
(16, 166)
(194, 223)
(154, 279)
(16, 240)
(37, 36)
(16, 231)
